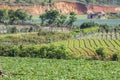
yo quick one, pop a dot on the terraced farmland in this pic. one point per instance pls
(86, 46)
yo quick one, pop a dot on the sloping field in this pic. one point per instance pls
(86, 46)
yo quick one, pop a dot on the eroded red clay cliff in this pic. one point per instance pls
(62, 7)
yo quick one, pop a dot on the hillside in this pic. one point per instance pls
(99, 2)
(62, 7)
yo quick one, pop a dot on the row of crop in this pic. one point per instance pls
(117, 43)
(44, 69)
(105, 43)
(71, 44)
(88, 47)
(75, 47)
(83, 47)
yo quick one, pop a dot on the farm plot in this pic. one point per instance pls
(53, 69)
(87, 47)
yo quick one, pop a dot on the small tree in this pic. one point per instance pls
(4, 16)
(115, 57)
(12, 17)
(100, 52)
(104, 27)
(21, 15)
(72, 19)
(61, 20)
(49, 17)
(43, 18)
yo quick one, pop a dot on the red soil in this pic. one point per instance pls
(62, 7)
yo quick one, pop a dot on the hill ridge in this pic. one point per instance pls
(62, 7)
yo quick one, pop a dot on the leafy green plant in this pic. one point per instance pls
(48, 69)
(114, 57)
(101, 53)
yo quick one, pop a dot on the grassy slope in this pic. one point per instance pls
(45, 69)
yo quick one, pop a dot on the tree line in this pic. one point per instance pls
(54, 18)
(51, 17)
(11, 16)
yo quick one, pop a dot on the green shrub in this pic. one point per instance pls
(52, 51)
(13, 51)
(114, 57)
(46, 51)
(88, 25)
(105, 27)
(101, 53)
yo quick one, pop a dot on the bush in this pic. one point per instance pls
(114, 57)
(52, 51)
(88, 25)
(101, 54)
(47, 51)
(104, 27)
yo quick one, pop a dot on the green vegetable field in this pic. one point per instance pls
(81, 68)
(58, 46)
(52, 69)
